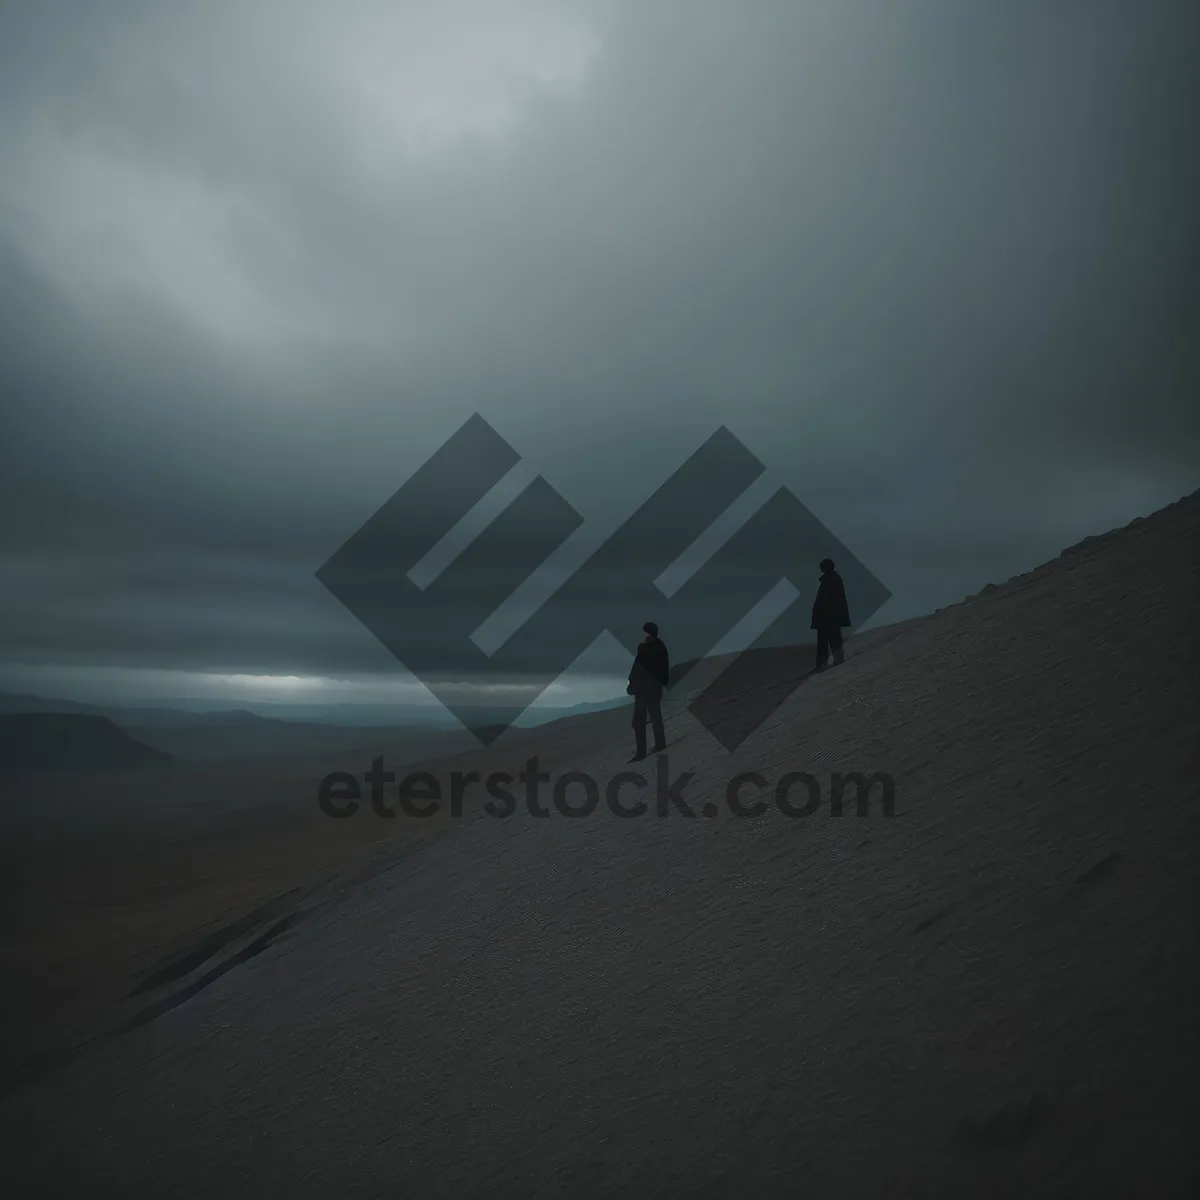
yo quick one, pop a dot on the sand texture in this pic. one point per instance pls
(991, 993)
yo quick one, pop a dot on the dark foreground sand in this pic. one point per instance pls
(992, 993)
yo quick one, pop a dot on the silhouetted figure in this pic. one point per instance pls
(648, 678)
(829, 614)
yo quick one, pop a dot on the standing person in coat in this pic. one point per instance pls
(648, 678)
(830, 614)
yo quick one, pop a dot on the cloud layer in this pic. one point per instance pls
(934, 263)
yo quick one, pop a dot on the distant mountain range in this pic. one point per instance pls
(37, 741)
(22, 702)
(187, 735)
(184, 713)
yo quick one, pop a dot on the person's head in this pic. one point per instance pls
(650, 630)
(826, 565)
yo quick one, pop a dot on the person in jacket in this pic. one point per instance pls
(649, 677)
(830, 614)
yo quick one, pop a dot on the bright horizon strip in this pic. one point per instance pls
(127, 685)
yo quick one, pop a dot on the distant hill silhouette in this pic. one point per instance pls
(43, 741)
(278, 714)
(124, 716)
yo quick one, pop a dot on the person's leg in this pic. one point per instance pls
(822, 648)
(660, 737)
(639, 725)
(835, 641)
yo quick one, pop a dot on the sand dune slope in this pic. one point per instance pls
(992, 992)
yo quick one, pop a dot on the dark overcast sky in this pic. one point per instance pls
(934, 263)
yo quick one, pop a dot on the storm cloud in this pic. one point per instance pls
(935, 264)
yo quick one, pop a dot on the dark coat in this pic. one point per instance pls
(830, 610)
(651, 670)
